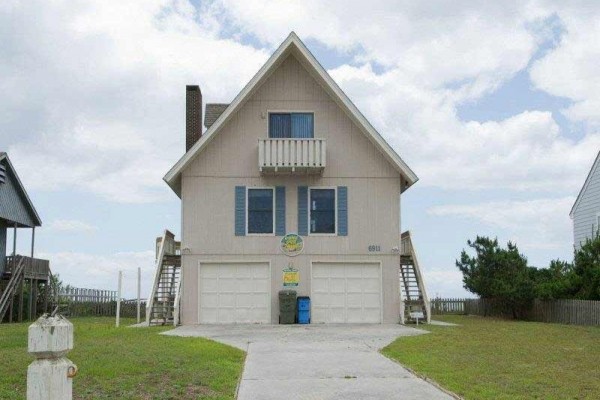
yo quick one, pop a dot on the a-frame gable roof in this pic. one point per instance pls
(585, 185)
(22, 193)
(294, 45)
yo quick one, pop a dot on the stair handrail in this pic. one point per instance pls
(420, 281)
(159, 261)
(176, 302)
(16, 274)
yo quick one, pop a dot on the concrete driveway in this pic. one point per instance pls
(318, 361)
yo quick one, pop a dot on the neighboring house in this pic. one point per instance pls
(18, 272)
(586, 210)
(290, 155)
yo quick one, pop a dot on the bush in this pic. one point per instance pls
(585, 279)
(500, 274)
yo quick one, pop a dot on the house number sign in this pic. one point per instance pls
(374, 248)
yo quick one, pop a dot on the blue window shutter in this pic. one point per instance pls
(302, 210)
(240, 211)
(342, 210)
(280, 210)
(302, 125)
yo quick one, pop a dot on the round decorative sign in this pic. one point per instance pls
(291, 244)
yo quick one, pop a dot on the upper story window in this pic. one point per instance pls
(291, 125)
(260, 210)
(322, 210)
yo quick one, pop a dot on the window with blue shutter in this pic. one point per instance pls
(322, 210)
(302, 210)
(342, 210)
(280, 210)
(240, 211)
(260, 210)
(291, 125)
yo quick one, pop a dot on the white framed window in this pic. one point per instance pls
(322, 211)
(260, 211)
(295, 125)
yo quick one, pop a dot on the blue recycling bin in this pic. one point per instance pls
(303, 309)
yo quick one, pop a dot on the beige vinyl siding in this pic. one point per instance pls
(231, 159)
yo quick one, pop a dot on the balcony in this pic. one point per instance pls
(35, 268)
(281, 156)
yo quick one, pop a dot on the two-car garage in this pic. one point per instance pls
(341, 292)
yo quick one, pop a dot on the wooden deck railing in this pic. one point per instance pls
(35, 268)
(292, 155)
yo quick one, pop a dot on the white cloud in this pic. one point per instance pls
(93, 93)
(445, 283)
(533, 224)
(437, 56)
(93, 271)
(71, 226)
(571, 69)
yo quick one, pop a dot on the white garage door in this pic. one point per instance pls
(234, 293)
(346, 293)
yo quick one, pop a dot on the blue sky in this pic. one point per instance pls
(493, 106)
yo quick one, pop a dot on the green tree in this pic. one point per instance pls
(556, 281)
(586, 271)
(498, 273)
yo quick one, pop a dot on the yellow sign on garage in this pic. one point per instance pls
(291, 276)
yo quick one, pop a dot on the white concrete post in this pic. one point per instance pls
(139, 290)
(49, 377)
(119, 298)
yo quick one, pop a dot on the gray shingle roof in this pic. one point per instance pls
(213, 111)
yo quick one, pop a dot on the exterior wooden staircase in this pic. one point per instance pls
(412, 288)
(16, 277)
(163, 303)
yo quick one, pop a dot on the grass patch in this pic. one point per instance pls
(487, 358)
(129, 363)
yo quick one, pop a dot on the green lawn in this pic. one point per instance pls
(487, 358)
(129, 363)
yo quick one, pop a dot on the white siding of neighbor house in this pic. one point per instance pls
(585, 214)
(231, 159)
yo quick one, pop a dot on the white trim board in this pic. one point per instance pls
(291, 44)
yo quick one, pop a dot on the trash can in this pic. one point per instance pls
(303, 310)
(287, 306)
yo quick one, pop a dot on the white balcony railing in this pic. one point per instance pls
(291, 155)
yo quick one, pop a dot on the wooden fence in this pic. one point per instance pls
(569, 311)
(447, 306)
(574, 312)
(80, 302)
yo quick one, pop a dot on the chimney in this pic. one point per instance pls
(193, 115)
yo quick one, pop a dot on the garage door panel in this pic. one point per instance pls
(261, 286)
(259, 271)
(369, 272)
(353, 271)
(209, 285)
(371, 300)
(337, 315)
(234, 293)
(371, 285)
(210, 300)
(346, 293)
(337, 285)
(354, 285)
(320, 285)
